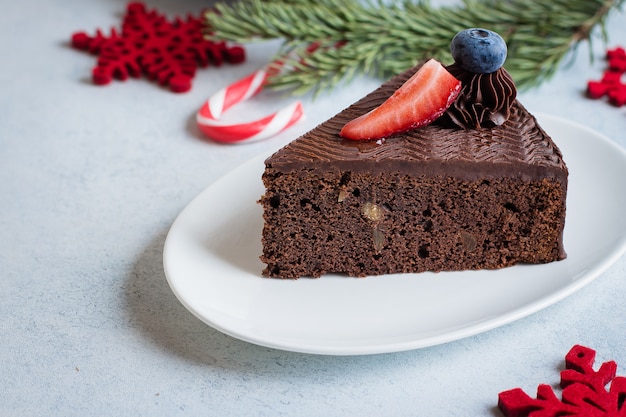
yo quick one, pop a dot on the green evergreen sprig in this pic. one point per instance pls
(326, 42)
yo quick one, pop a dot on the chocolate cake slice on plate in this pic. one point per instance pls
(442, 197)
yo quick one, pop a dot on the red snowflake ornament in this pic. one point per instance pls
(584, 393)
(167, 51)
(611, 84)
(617, 59)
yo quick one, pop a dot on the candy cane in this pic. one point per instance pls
(238, 92)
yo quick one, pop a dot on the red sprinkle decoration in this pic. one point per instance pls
(166, 51)
(611, 84)
(584, 393)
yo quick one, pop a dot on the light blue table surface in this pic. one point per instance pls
(91, 179)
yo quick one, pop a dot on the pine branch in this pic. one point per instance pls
(384, 38)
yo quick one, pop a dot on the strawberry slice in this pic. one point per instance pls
(418, 102)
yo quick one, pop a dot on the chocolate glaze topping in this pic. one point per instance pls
(518, 147)
(485, 100)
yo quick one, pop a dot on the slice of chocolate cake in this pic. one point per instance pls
(435, 198)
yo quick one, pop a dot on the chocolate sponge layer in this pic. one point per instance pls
(362, 224)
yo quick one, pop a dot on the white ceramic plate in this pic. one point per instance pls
(211, 259)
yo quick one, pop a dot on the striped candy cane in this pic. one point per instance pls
(209, 114)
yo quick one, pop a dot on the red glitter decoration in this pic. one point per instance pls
(168, 52)
(611, 84)
(584, 391)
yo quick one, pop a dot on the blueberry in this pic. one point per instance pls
(478, 50)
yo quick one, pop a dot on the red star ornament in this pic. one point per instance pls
(168, 52)
(584, 393)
